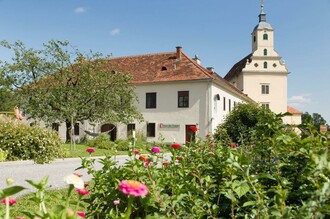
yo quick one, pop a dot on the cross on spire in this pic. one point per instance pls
(262, 15)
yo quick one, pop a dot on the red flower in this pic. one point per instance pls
(193, 128)
(165, 163)
(86, 184)
(143, 158)
(136, 151)
(192, 174)
(11, 201)
(90, 150)
(176, 146)
(179, 158)
(208, 135)
(83, 191)
(81, 214)
(232, 145)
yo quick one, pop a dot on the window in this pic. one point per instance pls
(183, 99)
(265, 105)
(130, 129)
(265, 64)
(265, 88)
(229, 104)
(265, 52)
(55, 126)
(151, 100)
(254, 38)
(265, 36)
(224, 103)
(76, 129)
(151, 129)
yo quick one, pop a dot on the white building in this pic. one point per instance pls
(176, 92)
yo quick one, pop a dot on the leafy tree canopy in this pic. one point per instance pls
(59, 83)
(315, 119)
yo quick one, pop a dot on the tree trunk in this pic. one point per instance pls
(68, 130)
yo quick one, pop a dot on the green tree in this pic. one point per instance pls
(61, 84)
(315, 119)
(7, 97)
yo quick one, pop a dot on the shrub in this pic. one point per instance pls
(23, 142)
(3, 155)
(122, 145)
(102, 141)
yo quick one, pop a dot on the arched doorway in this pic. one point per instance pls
(111, 130)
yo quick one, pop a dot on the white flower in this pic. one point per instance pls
(75, 180)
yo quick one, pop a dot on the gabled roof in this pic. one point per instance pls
(293, 110)
(237, 68)
(168, 67)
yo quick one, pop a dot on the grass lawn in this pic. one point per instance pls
(53, 198)
(80, 151)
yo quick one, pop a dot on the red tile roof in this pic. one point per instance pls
(167, 67)
(293, 110)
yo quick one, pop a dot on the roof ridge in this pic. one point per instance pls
(140, 55)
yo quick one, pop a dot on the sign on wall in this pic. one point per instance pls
(168, 125)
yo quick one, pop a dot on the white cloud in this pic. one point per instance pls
(300, 101)
(80, 10)
(115, 31)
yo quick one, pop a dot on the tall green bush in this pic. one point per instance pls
(22, 142)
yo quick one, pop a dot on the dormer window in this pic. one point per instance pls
(265, 52)
(164, 68)
(254, 38)
(265, 36)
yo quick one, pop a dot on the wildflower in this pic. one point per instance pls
(211, 153)
(165, 163)
(208, 135)
(82, 191)
(148, 164)
(155, 149)
(232, 145)
(75, 180)
(179, 158)
(212, 144)
(116, 202)
(192, 174)
(143, 159)
(133, 188)
(193, 128)
(136, 152)
(176, 146)
(81, 214)
(90, 150)
(10, 201)
(86, 184)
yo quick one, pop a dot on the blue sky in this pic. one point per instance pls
(218, 31)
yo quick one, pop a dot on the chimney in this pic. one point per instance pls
(211, 69)
(178, 52)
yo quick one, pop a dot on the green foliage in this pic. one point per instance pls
(240, 123)
(61, 84)
(123, 145)
(102, 141)
(23, 142)
(315, 119)
(280, 176)
(3, 155)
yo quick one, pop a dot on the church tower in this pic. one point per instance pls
(262, 75)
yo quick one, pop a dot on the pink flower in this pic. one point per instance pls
(90, 150)
(176, 146)
(134, 188)
(78, 174)
(11, 201)
(136, 152)
(208, 135)
(81, 214)
(116, 202)
(83, 191)
(212, 144)
(148, 164)
(211, 153)
(20, 217)
(155, 149)
(193, 128)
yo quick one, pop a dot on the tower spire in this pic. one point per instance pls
(262, 15)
